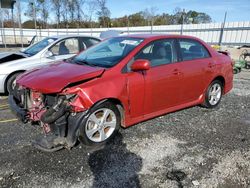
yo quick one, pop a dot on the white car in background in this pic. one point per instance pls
(48, 50)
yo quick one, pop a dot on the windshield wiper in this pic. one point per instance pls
(84, 62)
(26, 53)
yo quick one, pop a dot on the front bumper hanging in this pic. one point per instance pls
(21, 113)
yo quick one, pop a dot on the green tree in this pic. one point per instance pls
(136, 19)
(103, 13)
(163, 19)
(43, 12)
(149, 15)
(91, 9)
(57, 8)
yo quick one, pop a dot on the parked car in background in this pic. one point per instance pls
(120, 82)
(110, 33)
(48, 50)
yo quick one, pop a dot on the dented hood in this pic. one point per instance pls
(11, 56)
(54, 78)
(4, 54)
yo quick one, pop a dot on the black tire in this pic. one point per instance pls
(83, 135)
(10, 83)
(208, 102)
(236, 70)
(247, 66)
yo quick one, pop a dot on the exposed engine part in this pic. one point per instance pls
(46, 128)
(56, 115)
(35, 105)
(56, 111)
(49, 100)
(57, 106)
(59, 127)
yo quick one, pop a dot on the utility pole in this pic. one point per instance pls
(152, 24)
(128, 24)
(2, 25)
(13, 22)
(20, 20)
(183, 14)
(34, 15)
(222, 29)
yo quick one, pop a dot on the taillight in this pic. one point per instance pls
(232, 62)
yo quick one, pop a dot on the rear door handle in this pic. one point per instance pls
(176, 72)
(211, 65)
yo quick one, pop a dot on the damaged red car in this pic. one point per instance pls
(117, 83)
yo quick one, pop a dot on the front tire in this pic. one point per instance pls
(11, 83)
(213, 94)
(100, 125)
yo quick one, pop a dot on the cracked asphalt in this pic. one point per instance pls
(194, 147)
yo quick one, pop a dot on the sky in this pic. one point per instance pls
(237, 10)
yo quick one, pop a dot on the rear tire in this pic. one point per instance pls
(11, 83)
(213, 94)
(101, 124)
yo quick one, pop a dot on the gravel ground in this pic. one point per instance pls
(194, 147)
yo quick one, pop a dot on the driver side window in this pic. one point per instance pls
(64, 47)
(159, 52)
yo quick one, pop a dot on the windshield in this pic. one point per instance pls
(108, 53)
(37, 47)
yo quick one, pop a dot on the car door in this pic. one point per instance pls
(161, 81)
(194, 68)
(63, 49)
(136, 89)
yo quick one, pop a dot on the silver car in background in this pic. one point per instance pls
(48, 50)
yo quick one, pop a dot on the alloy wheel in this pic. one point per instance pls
(100, 125)
(214, 94)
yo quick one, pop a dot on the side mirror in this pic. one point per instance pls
(140, 65)
(48, 54)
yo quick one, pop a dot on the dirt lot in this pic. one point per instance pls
(195, 147)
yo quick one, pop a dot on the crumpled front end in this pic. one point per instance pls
(7, 56)
(58, 114)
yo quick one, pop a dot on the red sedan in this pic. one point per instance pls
(119, 82)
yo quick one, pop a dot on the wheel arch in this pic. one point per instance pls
(221, 79)
(9, 76)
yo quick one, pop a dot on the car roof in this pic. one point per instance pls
(69, 36)
(156, 36)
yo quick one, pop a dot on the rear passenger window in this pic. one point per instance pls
(159, 52)
(88, 42)
(191, 49)
(64, 47)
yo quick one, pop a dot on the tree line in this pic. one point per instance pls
(95, 13)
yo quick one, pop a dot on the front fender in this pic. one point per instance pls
(94, 91)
